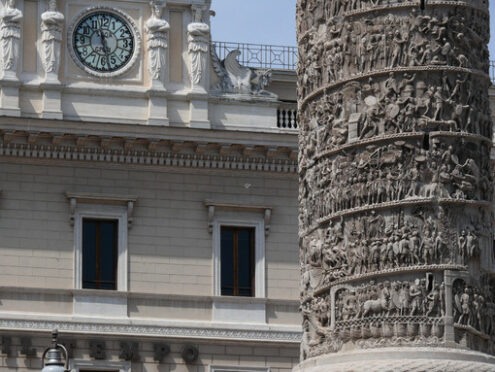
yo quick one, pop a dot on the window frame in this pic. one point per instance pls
(238, 369)
(252, 264)
(77, 365)
(102, 212)
(256, 222)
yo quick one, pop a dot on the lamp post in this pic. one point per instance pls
(53, 355)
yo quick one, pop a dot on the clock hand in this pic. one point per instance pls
(104, 45)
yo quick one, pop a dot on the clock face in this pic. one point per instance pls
(103, 41)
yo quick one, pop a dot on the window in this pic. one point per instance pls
(237, 261)
(101, 223)
(99, 366)
(100, 254)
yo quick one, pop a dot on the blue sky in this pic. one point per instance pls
(255, 21)
(270, 22)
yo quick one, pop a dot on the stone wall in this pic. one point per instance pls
(170, 247)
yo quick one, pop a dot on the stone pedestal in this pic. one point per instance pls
(158, 105)
(52, 100)
(9, 97)
(198, 110)
(396, 226)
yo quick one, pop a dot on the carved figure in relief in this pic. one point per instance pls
(199, 39)
(10, 35)
(52, 23)
(376, 158)
(394, 41)
(388, 299)
(156, 30)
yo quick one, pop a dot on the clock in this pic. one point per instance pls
(104, 42)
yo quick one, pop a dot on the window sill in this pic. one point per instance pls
(91, 304)
(231, 310)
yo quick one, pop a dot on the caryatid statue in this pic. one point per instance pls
(157, 38)
(52, 23)
(10, 35)
(199, 40)
(396, 186)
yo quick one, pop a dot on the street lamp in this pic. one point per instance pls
(53, 354)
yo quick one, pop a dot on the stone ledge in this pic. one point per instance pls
(151, 328)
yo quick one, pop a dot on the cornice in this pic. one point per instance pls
(37, 324)
(151, 149)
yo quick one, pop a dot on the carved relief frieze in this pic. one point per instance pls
(376, 313)
(396, 185)
(336, 47)
(412, 172)
(398, 104)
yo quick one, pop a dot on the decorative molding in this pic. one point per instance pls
(213, 205)
(151, 331)
(93, 198)
(103, 152)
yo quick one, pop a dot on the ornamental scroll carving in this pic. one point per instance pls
(396, 185)
(10, 35)
(52, 23)
(199, 39)
(157, 30)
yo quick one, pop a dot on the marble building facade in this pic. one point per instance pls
(120, 117)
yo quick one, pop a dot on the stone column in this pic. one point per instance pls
(396, 189)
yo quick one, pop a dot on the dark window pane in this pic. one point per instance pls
(227, 262)
(89, 254)
(244, 261)
(237, 261)
(107, 273)
(99, 254)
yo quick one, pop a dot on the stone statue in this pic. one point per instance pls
(395, 184)
(199, 39)
(10, 35)
(238, 79)
(156, 30)
(52, 23)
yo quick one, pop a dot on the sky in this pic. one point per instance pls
(255, 21)
(271, 22)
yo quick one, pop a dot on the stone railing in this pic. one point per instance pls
(492, 71)
(287, 116)
(275, 57)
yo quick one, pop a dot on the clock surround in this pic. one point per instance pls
(104, 41)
